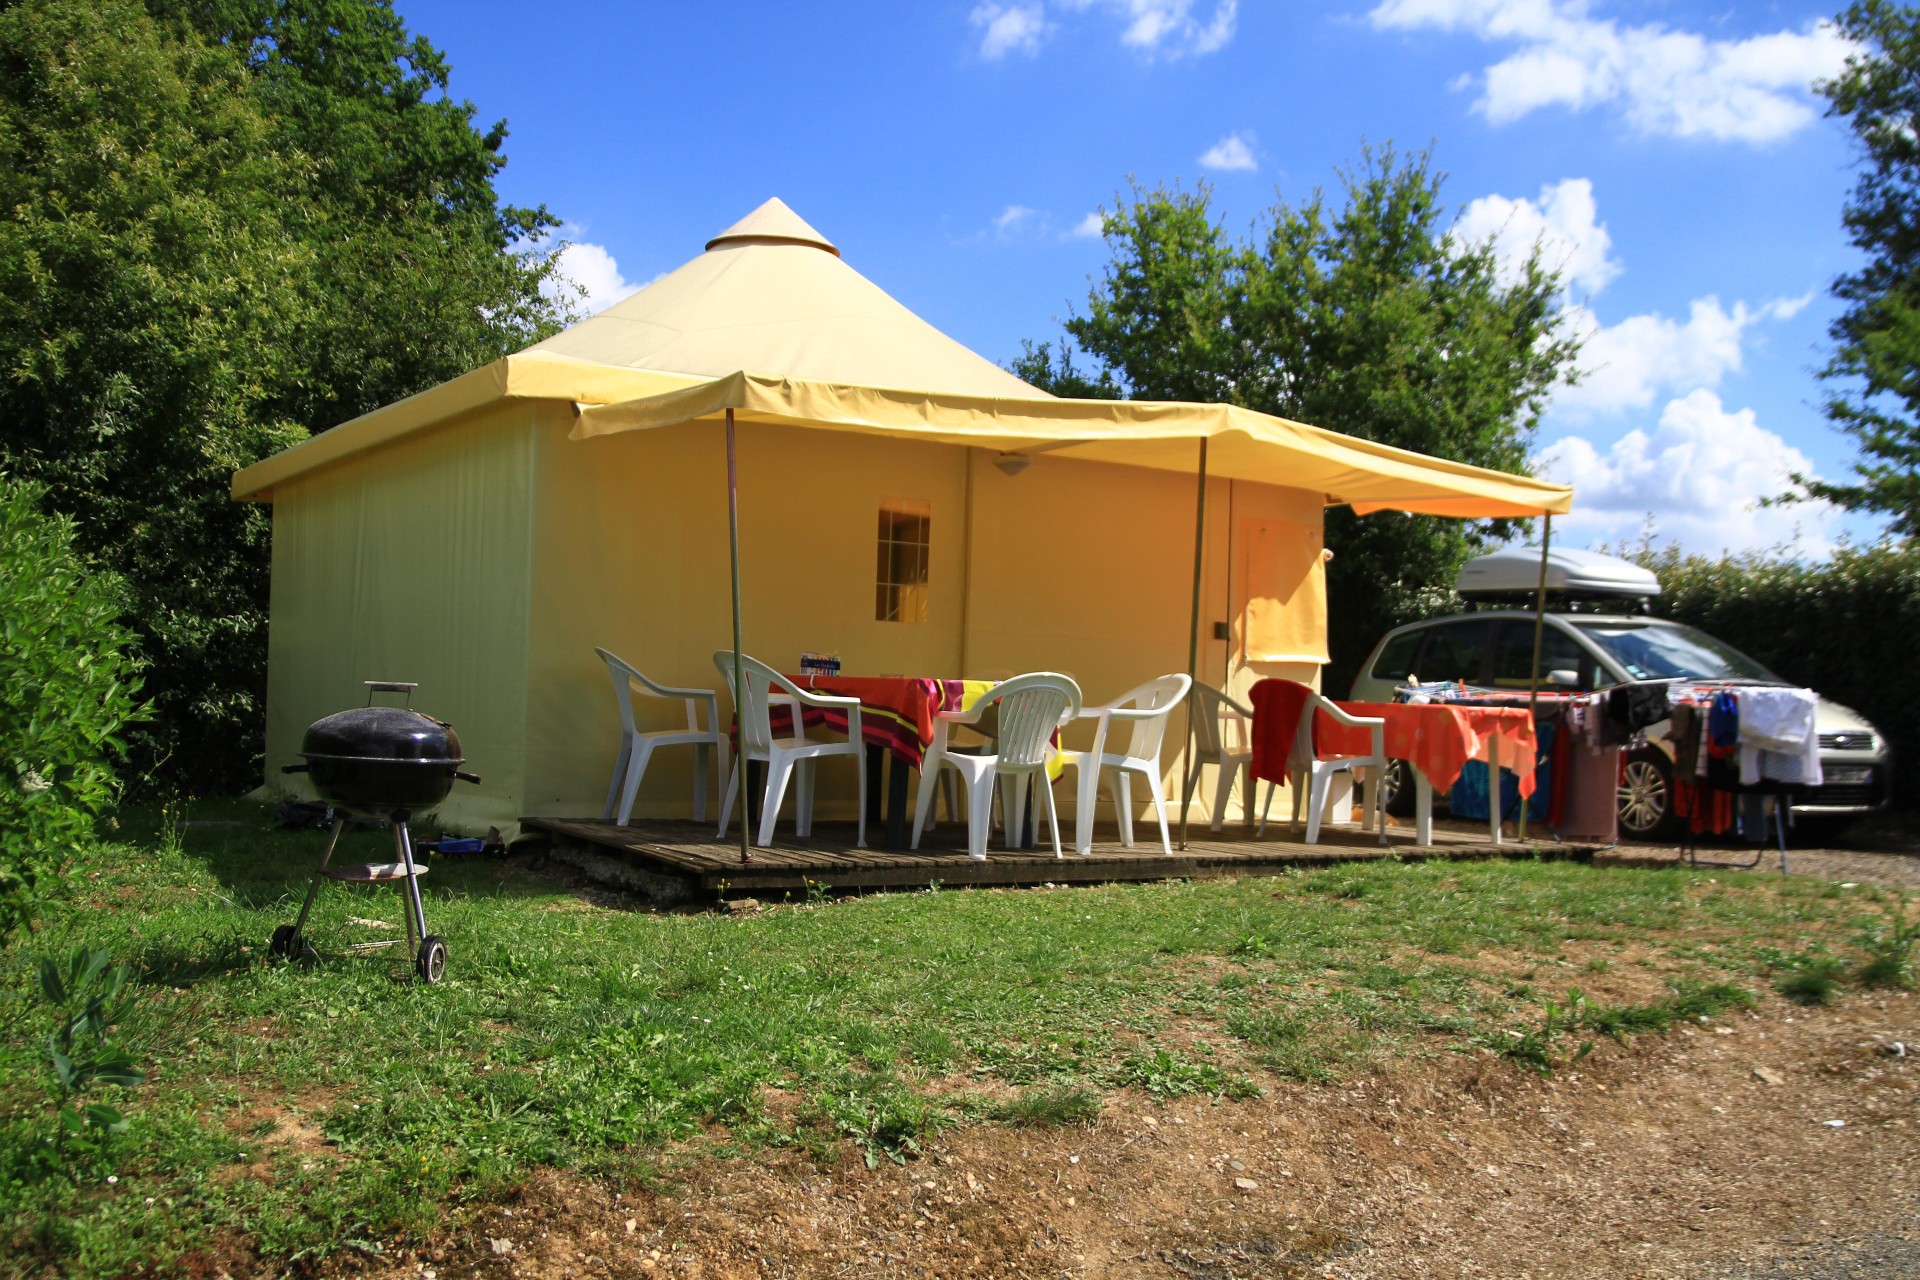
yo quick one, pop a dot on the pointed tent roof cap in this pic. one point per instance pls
(773, 223)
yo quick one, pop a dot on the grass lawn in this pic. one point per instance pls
(305, 1110)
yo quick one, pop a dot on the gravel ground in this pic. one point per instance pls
(1876, 1257)
(1884, 850)
(1891, 870)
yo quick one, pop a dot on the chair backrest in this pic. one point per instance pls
(1161, 695)
(623, 677)
(750, 708)
(1030, 708)
(1303, 752)
(1214, 713)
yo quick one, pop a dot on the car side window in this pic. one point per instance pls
(1455, 651)
(1558, 652)
(1396, 657)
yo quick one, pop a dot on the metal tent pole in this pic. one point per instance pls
(742, 774)
(1533, 672)
(1193, 638)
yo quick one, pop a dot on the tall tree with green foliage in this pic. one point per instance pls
(1876, 362)
(1371, 319)
(223, 226)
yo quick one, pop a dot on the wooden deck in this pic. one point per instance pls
(688, 851)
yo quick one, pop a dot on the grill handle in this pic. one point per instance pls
(390, 686)
(295, 768)
(466, 777)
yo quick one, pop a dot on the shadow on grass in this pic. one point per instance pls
(175, 962)
(260, 865)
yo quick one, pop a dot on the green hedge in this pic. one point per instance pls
(67, 686)
(1848, 627)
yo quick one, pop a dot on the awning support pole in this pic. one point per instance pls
(741, 773)
(1193, 639)
(1533, 672)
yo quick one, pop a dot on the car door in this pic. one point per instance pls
(1559, 651)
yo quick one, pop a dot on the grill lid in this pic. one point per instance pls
(383, 733)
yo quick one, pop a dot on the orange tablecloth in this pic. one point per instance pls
(1437, 738)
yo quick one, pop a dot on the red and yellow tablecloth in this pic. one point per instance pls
(896, 712)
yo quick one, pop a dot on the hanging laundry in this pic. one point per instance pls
(1778, 738)
(1631, 708)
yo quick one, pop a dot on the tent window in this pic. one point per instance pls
(901, 590)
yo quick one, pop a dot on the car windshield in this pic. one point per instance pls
(1670, 651)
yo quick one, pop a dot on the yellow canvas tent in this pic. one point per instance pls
(484, 536)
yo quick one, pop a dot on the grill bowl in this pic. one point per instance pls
(378, 760)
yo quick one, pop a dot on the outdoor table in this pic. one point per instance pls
(896, 719)
(1437, 739)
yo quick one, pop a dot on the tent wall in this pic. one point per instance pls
(1073, 566)
(1087, 568)
(411, 563)
(631, 554)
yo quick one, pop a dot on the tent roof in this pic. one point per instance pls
(771, 295)
(822, 346)
(774, 223)
(1242, 444)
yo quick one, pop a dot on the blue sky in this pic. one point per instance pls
(1670, 154)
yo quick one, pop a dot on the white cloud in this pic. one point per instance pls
(1626, 365)
(1013, 219)
(1170, 26)
(1232, 153)
(1162, 28)
(1665, 82)
(1699, 475)
(1009, 28)
(586, 275)
(1564, 224)
(1091, 227)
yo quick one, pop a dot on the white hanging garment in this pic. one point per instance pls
(1778, 738)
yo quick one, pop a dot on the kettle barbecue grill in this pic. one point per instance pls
(381, 762)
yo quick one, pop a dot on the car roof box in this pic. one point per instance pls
(1512, 573)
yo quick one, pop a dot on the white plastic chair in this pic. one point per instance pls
(637, 747)
(1147, 710)
(1030, 709)
(1214, 713)
(785, 756)
(1317, 775)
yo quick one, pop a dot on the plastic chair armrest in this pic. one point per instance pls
(668, 691)
(827, 700)
(1334, 710)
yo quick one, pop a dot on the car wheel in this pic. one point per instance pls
(1646, 796)
(1397, 789)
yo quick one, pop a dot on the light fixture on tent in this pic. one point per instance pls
(1012, 464)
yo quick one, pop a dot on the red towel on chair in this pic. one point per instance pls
(1277, 708)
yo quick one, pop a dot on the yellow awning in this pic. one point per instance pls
(525, 376)
(1241, 444)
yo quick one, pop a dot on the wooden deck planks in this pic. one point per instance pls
(828, 858)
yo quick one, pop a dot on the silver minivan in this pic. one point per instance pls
(1589, 651)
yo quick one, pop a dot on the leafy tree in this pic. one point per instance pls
(415, 247)
(199, 263)
(67, 686)
(1370, 319)
(1876, 363)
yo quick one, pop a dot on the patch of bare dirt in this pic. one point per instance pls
(1673, 1157)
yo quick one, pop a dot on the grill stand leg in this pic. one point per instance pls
(313, 889)
(416, 913)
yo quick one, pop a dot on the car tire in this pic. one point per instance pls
(1646, 796)
(1397, 790)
